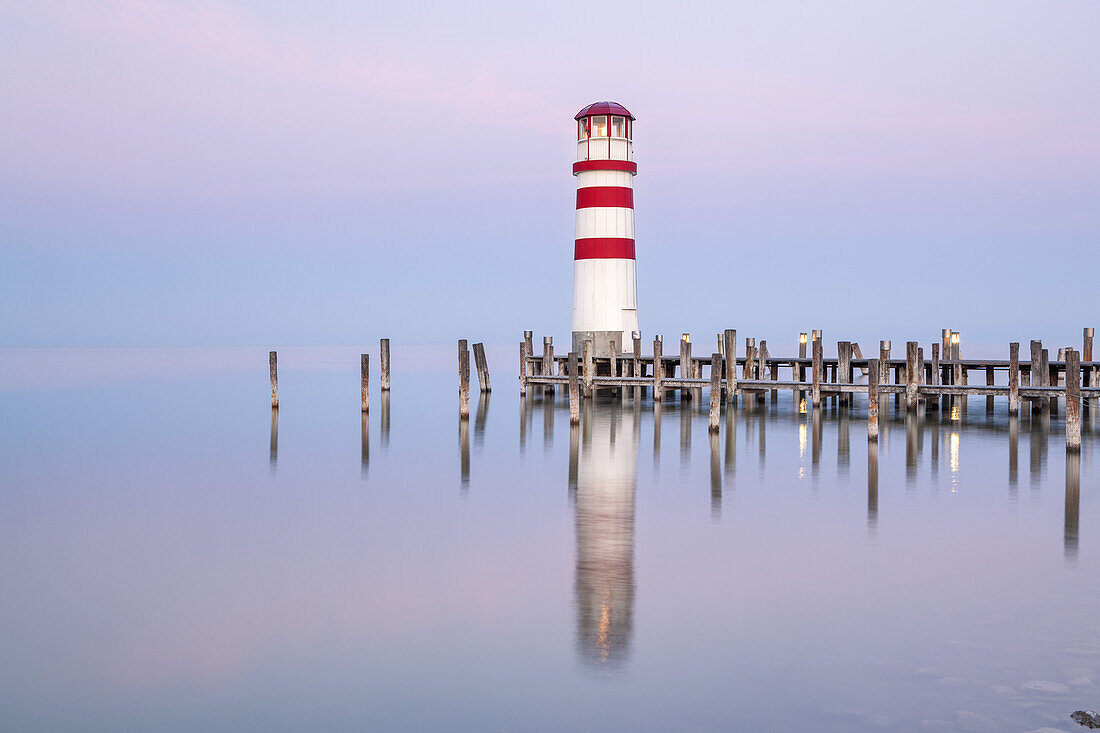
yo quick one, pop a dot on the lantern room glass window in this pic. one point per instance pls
(599, 126)
(582, 128)
(618, 127)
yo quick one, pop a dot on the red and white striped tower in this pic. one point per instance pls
(605, 288)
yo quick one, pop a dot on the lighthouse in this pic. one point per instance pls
(605, 306)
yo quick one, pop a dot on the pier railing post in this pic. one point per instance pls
(817, 365)
(463, 379)
(1073, 401)
(364, 381)
(911, 372)
(574, 390)
(658, 370)
(872, 400)
(482, 367)
(523, 368)
(715, 390)
(273, 366)
(730, 338)
(384, 364)
(586, 354)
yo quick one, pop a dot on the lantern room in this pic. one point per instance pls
(604, 132)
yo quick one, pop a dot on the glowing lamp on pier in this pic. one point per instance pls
(605, 306)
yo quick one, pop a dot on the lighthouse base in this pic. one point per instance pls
(601, 342)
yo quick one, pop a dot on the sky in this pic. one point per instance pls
(277, 173)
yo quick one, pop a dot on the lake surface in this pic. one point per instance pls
(174, 557)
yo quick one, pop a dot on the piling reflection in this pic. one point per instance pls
(547, 420)
(365, 441)
(604, 513)
(843, 458)
(523, 424)
(872, 486)
(715, 477)
(1073, 506)
(685, 432)
(480, 418)
(1013, 453)
(384, 418)
(731, 440)
(273, 457)
(464, 452)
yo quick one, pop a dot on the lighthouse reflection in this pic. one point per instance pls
(605, 479)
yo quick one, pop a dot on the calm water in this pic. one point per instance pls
(173, 558)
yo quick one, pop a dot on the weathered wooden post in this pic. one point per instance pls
(1086, 345)
(548, 362)
(1091, 373)
(844, 367)
(935, 364)
(817, 359)
(884, 362)
(463, 379)
(1044, 368)
(364, 381)
(1014, 378)
(1073, 400)
(750, 358)
(801, 376)
(911, 373)
(523, 368)
(685, 364)
(529, 342)
(715, 390)
(872, 400)
(636, 368)
(1035, 374)
(482, 367)
(658, 370)
(730, 350)
(273, 364)
(384, 364)
(586, 354)
(574, 390)
(858, 354)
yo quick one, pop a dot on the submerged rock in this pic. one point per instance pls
(1087, 718)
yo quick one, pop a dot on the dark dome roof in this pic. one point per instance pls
(604, 108)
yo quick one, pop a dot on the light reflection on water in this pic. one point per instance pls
(440, 583)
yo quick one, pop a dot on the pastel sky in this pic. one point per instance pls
(329, 172)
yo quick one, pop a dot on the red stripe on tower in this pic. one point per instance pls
(618, 196)
(605, 165)
(603, 248)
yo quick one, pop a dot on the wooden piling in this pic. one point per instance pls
(872, 400)
(364, 381)
(586, 354)
(884, 362)
(548, 362)
(636, 369)
(911, 373)
(730, 338)
(384, 364)
(935, 364)
(529, 342)
(574, 390)
(844, 368)
(1044, 369)
(715, 390)
(273, 364)
(1086, 345)
(463, 379)
(1091, 373)
(750, 358)
(1013, 378)
(658, 370)
(685, 365)
(523, 368)
(482, 367)
(817, 366)
(1073, 401)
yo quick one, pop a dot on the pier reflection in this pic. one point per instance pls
(606, 478)
(481, 418)
(384, 418)
(365, 441)
(464, 452)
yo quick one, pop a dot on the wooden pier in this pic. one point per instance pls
(1041, 382)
